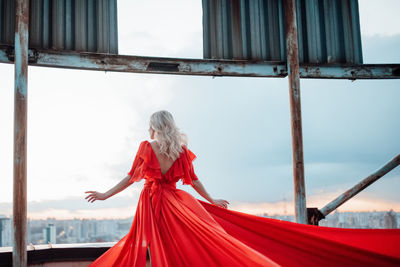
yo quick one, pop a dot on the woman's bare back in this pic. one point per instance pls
(164, 161)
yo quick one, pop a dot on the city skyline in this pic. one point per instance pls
(78, 230)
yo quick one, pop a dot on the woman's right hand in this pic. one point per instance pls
(220, 203)
(94, 195)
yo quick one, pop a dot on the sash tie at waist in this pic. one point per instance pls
(157, 185)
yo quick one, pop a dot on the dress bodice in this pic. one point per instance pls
(147, 166)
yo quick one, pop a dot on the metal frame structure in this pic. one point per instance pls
(198, 67)
(21, 56)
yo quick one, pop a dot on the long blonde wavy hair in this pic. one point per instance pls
(167, 135)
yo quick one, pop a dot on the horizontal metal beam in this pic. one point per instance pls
(350, 72)
(205, 67)
(334, 204)
(120, 63)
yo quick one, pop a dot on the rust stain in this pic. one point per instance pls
(295, 111)
(20, 133)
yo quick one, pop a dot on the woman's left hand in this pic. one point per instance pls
(94, 195)
(221, 203)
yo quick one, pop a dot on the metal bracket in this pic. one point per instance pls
(314, 215)
(33, 55)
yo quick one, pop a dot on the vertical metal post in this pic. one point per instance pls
(20, 127)
(292, 52)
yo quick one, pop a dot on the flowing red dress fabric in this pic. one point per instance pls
(180, 230)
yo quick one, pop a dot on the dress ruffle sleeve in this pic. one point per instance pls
(145, 164)
(138, 169)
(188, 175)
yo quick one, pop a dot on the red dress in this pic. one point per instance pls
(180, 230)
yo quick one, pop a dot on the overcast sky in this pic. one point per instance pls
(84, 127)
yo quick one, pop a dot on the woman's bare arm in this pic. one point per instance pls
(94, 195)
(198, 186)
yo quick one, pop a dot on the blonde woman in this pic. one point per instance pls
(175, 227)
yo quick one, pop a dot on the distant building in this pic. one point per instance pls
(5, 232)
(369, 220)
(49, 234)
(390, 220)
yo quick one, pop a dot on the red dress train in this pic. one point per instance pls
(180, 230)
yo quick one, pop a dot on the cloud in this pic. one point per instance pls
(73, 207)
(84, 128)
(381, 49)
(379, 17)
(240, 130)
(359, 203)
(160, 28)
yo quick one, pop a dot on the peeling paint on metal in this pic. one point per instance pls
(295, 111)
(240, 68)
(20, 71)
(20, 133)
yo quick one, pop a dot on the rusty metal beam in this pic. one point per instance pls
(156, 65)
(295, 111)
(360, 186)
(350, 72)
(204, 67)
(20, 127)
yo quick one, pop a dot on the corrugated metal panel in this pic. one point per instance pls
(76, 25)
(243, 29)
(328, 30)
(7, 17)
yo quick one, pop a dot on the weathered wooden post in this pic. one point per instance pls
(292, 52)
(20, 132)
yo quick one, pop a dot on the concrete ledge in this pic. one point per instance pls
(59, 255)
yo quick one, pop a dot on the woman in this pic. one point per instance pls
(179, 230)
(170, 223)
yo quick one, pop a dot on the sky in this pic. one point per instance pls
(84, 127)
